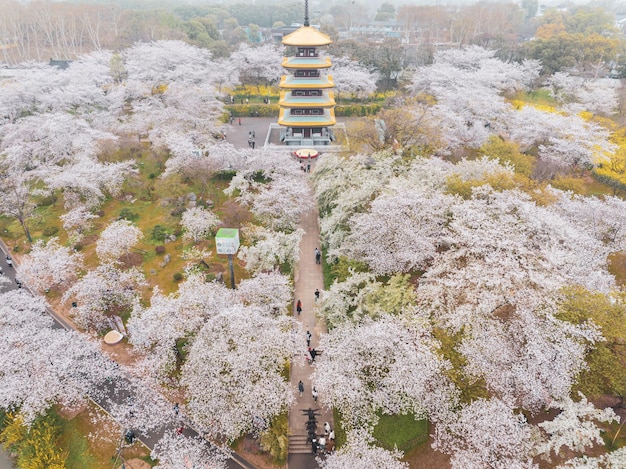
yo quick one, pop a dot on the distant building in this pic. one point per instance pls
(62, 64)
(377, 30)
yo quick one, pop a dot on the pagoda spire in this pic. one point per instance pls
(306, 13)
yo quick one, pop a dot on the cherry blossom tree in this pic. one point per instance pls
(485, 433)
(198, 223)
(271, 291)
(382, 366)
(575, 427)
(277, 202)
(180, 451)
(359, 451)
(103, 290)
(527, 357)
(269, 249)
(16, 200)
(352, 78)
(117, 239)
(154, 330)
(43, 365)
(234, 370)
(258, 65)
(49, 264)
(77, 221)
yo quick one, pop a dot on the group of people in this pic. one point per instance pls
(326, 442)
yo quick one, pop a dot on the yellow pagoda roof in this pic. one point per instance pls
(307, 36)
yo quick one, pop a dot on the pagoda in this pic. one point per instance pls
(307, 102)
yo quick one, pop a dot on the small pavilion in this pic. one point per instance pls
(307, 102)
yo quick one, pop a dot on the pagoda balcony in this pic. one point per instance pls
(306, 62)
(327, 118)
(288, 100)
(290, 82)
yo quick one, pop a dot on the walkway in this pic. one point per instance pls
(309, 276)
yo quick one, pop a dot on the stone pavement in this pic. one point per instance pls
(308, 277)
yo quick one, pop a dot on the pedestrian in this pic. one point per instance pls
(176, 408)
(240, 121)
(308, 339)
(246, 100)
(322, 444)
(314, 392)
(326, 428)
(303, 168)
(299, 307)
(253, 143)
(300, 387)
(331, 435)
(314, 445)
(308, 167)
(249, 143)
(249, 135)
(317, 294)
(318, 256)
(253, 134)
(309, 359)
(313, 355)
(179, 430)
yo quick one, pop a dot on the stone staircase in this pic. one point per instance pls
(298, 444)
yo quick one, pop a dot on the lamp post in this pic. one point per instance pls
(227, 242)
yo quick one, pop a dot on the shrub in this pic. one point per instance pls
(159, 249)
(159, 233)
(128, 214)
(50, 230)
(178, 277)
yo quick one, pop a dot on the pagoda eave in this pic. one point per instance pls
(326, 120)
(291, 83)
(306, 63)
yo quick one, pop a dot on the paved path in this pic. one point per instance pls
(309, 276)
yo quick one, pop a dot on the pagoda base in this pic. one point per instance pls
(277, 136)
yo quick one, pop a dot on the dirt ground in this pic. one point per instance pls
(249, 449)
(425, 457)
(135, 464)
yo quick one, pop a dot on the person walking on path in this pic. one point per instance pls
(317, 294)
(318, 256)
(314, 393)
(300, 387)
(308, 168)
(299, 307)
(253, 143)
(308, 338)
(239, 120)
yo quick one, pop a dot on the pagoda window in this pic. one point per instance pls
(307, 112)
(307, 73)
(307, 52)
(306, 93)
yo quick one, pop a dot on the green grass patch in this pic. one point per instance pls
(340, 433)
(401, 431)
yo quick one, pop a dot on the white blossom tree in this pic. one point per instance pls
(117, 239)
(102, 291)
(269, 249)
(485, 433)
(198, 223)
(271, 291)
(575, 427)
(352, 78)
(183, 452)
(43, 365)
(382, 366)
(154, 330)
(359, 451)
(49, 264)
(234, 370)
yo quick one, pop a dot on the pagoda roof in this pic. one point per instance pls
(306, 36)
(306, 62)
(287, 100)
(309, 83)
(328, 118)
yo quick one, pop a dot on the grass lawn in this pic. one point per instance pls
(92, 440)
(401, 431)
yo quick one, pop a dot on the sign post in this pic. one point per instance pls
(227, 242)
